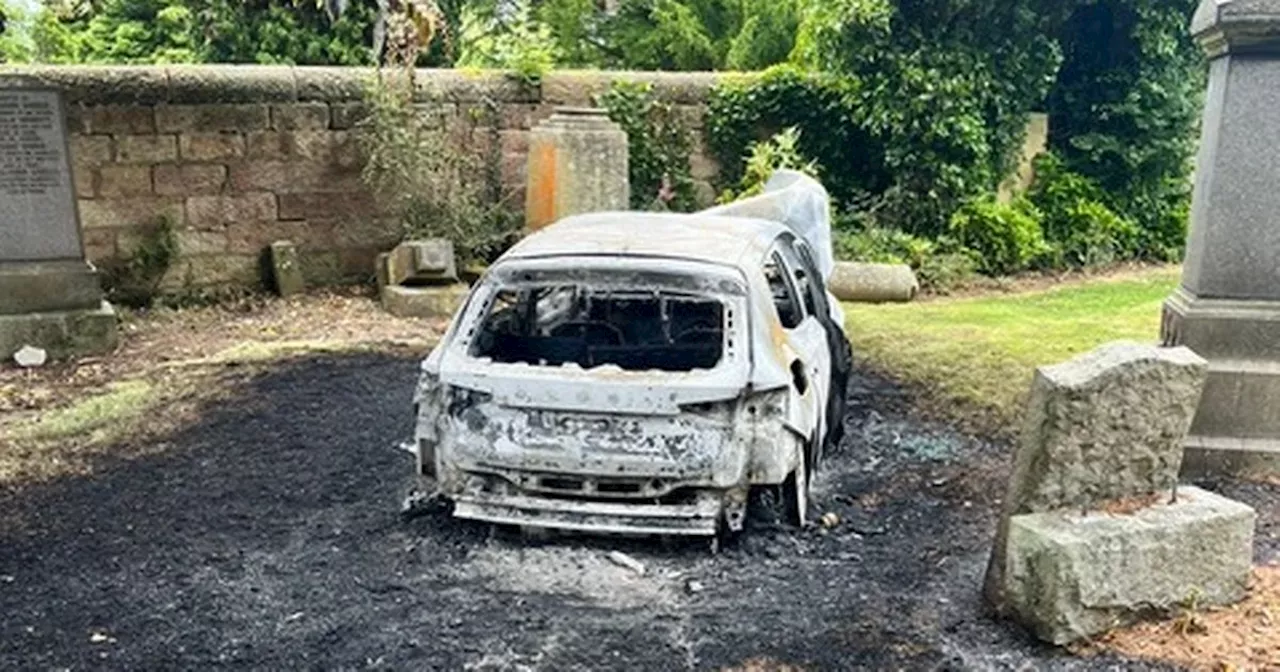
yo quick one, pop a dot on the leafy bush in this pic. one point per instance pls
(939, 265)
(781, 152)
(518, 44)
(203, 31)
(945, 88)
(658, 146)
(673, 34)
(1124, 111)
(1080, 228)
(822, 107)
(427, 179)
(1007, 237)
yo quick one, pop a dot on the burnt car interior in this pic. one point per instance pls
(636, 330)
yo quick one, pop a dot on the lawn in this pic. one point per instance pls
(976, 355)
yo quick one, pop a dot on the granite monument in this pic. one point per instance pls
(50, 297)
(1227, 308)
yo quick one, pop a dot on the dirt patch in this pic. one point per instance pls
(569, 571)
(266, 536)
(1245, 636)
(170, 364)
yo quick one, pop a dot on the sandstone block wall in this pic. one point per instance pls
(240, 156)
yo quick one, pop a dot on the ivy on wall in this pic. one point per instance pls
(658, 143)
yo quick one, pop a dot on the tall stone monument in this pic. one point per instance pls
(577, 163)
(1228, 307)
(50, 297)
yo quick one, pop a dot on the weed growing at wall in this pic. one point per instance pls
(659, 144)
(134, 280)
(423, 168)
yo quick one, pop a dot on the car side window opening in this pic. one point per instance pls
(783, 290)
(813, 287)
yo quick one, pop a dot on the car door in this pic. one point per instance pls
(806, 339)
(828, 312)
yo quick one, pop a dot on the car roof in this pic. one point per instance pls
(729, 241)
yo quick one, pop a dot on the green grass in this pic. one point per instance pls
(121, 403)
(979, 354)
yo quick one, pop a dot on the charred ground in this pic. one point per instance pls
(267, 536)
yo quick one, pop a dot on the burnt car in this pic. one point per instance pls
(636, 373)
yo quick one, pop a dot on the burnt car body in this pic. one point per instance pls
(636, 373)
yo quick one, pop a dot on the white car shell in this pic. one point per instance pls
(586, 384)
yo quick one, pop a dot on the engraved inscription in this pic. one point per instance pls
(37, 197)
(30, 162)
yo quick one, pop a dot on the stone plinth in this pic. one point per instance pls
(1072, 575)
(1228, 307)
(50, 298)
(430, 302)
(577, 164)
(420, 279)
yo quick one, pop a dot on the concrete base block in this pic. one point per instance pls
(436, 301)
(1071, 575)
(61, 333)
(1236, 430)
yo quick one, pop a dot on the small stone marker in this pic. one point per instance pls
(49, 296)
(420, 279)
(286, 268)
(1095, 529)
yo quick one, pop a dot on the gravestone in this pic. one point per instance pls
(1095, 528)
(1227, 308)
(50, 297)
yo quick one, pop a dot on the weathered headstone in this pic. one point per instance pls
(1095, 528)
(1228, 306)
(577, 164)
(420, 279)
(286, 268)
(49, 296)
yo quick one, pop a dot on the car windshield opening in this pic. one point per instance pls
(635, 330)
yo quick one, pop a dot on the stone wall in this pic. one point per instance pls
(239, 156)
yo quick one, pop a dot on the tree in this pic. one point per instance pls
(1124, 109)
(195, 31)
(943, 86)
(673, 34)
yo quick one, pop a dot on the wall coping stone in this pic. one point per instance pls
(217, 84)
